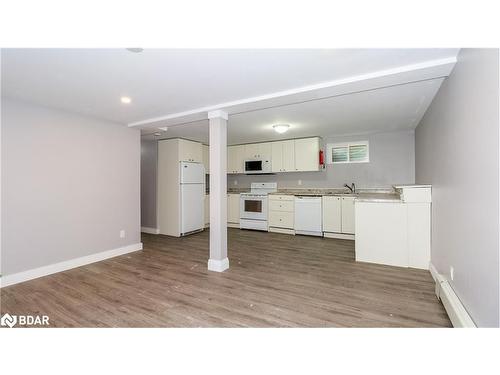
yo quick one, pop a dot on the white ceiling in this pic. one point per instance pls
(165, 81)
(392, 108)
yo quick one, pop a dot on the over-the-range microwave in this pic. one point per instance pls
(257, 166)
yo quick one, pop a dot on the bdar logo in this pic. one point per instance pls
(8, 320)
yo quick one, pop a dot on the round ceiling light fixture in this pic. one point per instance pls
(281, 128)
(125, 100)
(135, 50)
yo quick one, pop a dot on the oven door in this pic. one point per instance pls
(253, 166)
(253, 208)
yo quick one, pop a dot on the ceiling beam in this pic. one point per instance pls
(384, 78)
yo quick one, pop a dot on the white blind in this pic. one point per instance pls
(340, 154)
(350, 152)
(358, 153)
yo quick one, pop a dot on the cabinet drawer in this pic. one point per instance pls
(281, 197)
(281, 205)
(281, 219)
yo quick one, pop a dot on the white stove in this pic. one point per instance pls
(253, 205)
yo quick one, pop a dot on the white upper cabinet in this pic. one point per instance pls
(190, 151)
(307, 154)
(206, 158)
(277, 157)
(258, 151)
(251, 151)
(283, 156)
(235, 159)
(289, 156)
(293, 155)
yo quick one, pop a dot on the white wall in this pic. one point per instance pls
(149, 165)
(457, 152)
(69, 185)
(392, 161)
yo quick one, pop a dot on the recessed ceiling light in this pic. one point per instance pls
(281, 128)
(125, 100)
(135, 50)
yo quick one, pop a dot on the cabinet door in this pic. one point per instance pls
(231, 159)
(252, 151)
(281, 219)
(348, 215)
(265, 150)
(307, 154)
(239, 159)
(288, 156)
(206, 158)
(235, 159)
(190, 151)
(233, 208)
(332, 214)
(277, 156)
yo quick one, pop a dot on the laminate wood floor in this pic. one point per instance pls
(274, 280)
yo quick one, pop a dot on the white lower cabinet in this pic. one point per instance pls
(338, 217)
(332, 214)
(281, 219)
(233, 210)
(381, 233)
(281, 213)
(348, 215)
(397, 234)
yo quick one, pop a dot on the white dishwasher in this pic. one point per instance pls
(308, 215)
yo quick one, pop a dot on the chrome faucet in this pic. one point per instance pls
(352, 188)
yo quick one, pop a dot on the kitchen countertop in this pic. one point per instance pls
(362, 195)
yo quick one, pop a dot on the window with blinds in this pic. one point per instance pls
(352, 152)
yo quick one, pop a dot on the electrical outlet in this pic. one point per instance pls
(122, 234)
(452, 273)
(299, 182)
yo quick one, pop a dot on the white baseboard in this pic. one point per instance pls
(434, 272)
(35, 273)
(456, 311)
(282, 230)
(218, 265)
(340, 236)
(150, 230)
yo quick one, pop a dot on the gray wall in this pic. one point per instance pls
(69, 185)
(149, 163)
(392, 161)
(457, 152)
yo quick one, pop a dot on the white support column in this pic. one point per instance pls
(218, 191)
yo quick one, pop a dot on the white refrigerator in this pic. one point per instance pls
(192, 190)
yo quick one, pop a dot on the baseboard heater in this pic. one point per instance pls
(456, 311)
